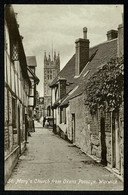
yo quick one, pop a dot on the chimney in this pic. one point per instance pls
(112, 34)
(82, 52)
(120, 45)
(62, 87)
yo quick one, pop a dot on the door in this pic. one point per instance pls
(19, 132)
(26, 127)
(73, 128)
(103, 142)
(115, 143)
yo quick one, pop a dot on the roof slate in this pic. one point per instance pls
(99, 55)
(31, 61)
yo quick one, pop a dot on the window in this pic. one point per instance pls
(50, 76)
(13, 112)
(14, 51)
(30, 92)
(63, 115)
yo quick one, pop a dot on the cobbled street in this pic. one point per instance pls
(51, 163)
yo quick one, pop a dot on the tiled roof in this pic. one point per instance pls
(31, 61)
(105, 52)
(66, 74)
(99, 55)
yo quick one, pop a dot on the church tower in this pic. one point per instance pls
(51, 69)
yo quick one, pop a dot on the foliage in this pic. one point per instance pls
(104, 87)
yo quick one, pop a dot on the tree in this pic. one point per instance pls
(105, 86)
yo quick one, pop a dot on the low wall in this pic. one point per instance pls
(10, 162)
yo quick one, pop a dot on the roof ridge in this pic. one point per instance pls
(103, 43)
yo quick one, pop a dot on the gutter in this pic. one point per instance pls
(34, 76)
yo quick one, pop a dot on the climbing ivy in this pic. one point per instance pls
(105, 86)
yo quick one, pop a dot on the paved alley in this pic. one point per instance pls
(51, 163)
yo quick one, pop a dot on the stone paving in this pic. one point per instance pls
(51, 163)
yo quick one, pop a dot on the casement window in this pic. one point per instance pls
(13, 112)
(14, 50)
(30, 91)
(63, 115)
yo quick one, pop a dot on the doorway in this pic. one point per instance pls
(103, 142)
(73, 128)
(49, 111)
(19, 132)
(115, 143)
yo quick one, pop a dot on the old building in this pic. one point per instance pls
(36, 113)
(101, 134)
(16, 89)
(39, 108)
(51, 69)
(31, 67)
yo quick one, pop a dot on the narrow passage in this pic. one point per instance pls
(51, 163)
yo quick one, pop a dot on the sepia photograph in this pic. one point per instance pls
(64, 97)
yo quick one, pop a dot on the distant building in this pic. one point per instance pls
(31, 67)
(51, 69)
(39, 107)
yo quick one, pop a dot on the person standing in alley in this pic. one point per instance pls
(44, 120)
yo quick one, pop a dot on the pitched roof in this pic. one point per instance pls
(31, 61)
(14, 34)
(64, 73)
(104, 53)
(98, 55)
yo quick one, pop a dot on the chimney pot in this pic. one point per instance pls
(112, 34)
(85, 33)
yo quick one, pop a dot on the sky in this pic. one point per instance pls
(60, 25)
